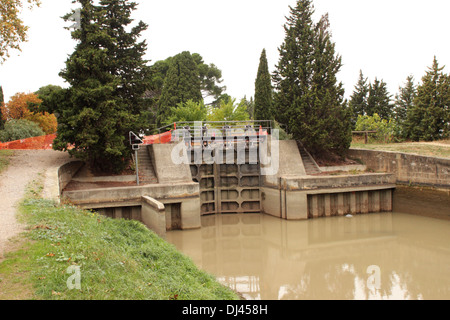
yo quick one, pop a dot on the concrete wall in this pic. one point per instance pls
(129, 196)
(290, 162)
(301, 198)
(166, 170)
(67, 172)
(407, 168)
(153, 215)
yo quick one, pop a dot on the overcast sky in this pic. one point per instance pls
(388, 39)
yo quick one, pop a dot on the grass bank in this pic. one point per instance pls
(72, 254)
(440, 149)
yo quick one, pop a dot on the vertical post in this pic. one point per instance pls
(137, 166)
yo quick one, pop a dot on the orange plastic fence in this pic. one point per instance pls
(46, 142)
(36, 143)
(162, 138)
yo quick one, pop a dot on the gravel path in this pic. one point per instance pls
(24, 167)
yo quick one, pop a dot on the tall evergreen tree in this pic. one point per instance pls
(2, 102)
(309, 99)
(210, 80)
(358, 100)
(106, 74)
(181, 84)
(379, 100)
(429, 117)
(263, 91)
(404, 101)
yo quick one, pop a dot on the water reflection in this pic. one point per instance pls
(266, 258)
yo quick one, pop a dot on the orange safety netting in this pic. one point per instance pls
(36, 143)
(46, 142)
(162, 138)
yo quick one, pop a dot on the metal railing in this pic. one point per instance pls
(266, 125)
(216, 133)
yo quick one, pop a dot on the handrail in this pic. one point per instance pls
(264, 124)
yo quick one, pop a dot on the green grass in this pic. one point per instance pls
(4, 159)
(117, 260)
(441, 150)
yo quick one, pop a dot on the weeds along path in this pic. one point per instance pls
(24, 167)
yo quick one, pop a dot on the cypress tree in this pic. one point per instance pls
(404, 101)
(292, 74)
(263, 91)
(429, 117)
(308, 97)
(2, 102)
(105, 74)
(182, 84)
(358, 100)
(379, 100)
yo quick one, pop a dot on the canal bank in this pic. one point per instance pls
(422, 201)
(409, 169)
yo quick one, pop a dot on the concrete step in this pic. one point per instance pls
(147, 173)
(310, 165)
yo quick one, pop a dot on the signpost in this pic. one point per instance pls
(136, 142)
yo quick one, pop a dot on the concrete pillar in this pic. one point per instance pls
(365, 202)
(341, 204)
(190, 214)
(136, 213)
(154, 215)
(294, 205)
(118, 213)
(376, 201)
(327, 204)
(386, 200)
(314, 206)
(353, 203)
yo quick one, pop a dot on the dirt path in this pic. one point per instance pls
(24, 167)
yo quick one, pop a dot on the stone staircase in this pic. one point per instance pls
(146, 171)
(310, 165)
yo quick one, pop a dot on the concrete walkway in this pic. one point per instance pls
(24, 167)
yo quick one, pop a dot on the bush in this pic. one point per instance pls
(387, 131)
(189, 111)
(20, 129)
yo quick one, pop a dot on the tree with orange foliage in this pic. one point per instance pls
(25, 106)
(13, 31)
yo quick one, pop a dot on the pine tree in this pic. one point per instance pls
(106, 75)
(127, 57)
(263, 91)
(379, 100)
(404, 101)
(182, 84)
(358, 100)
(210, 80)
(309, 99)
(292, 74)
(2, 102)
(429, 117)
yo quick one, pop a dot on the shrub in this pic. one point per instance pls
(20, 129)
(387, 131)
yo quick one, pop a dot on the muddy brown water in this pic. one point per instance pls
(398, 256)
